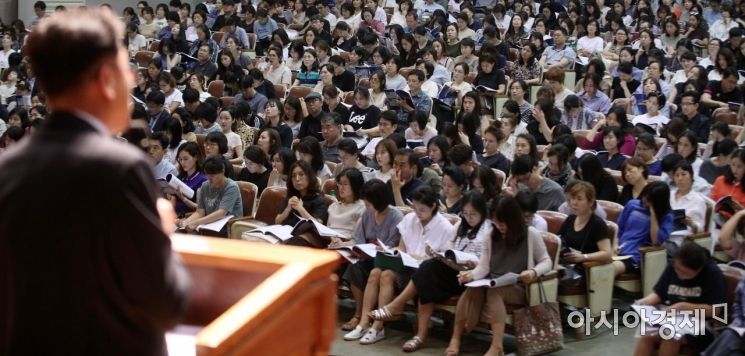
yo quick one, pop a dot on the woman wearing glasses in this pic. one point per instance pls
(435, 281)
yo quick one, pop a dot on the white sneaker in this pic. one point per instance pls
(355, 334)
(372, 336)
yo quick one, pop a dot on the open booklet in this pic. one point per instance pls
(456, 259)
(393, 98)
(727, 204)
(654, 317)
(279, 233)
(504, 280)
(215, 226)
(361, 251)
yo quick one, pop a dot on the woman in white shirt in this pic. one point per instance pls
(687, 147)
(422, 231)
(591, 44)
(720, 28)
(399, 14)
(191, 32)
(274, 70)
(345, 213)
(459, 83)
(435, 281)
(683, 197)
(513, 247)
(8, 87)
(377, 92)
(654, 117)
(385, 151)
(167, 85)
(196, 82)
(135, 41)
(235, 145)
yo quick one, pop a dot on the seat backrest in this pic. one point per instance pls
(554, 219)
(200, 141)
(349, 97)
(500, 177)
(553, 246)
(299, 92)
(269, 204)
(227, 101)
(709, 214)
(279, 90)
(726, 116)
(471, 77)
(217, 36)
(329, 186)
(617, 176)
(612, 209)
(143, 58)
(579, 136)
(248, 196)
(154, 46)
(216, 88)
(612, 234)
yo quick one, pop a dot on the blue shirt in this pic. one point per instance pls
(634, 229)
(598, 103)
(554, 55)
(240, 33)
(422, 103)
(265, 31)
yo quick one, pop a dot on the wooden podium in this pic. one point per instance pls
(255, 299)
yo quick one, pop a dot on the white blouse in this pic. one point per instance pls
(415, 236)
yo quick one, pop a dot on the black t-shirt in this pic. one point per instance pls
(311, 126)
(260, 180)
(363, 119)
(715, 90)
(585, 240)
(498, 161)
(617, 91)
(607, 189)
(344, 81)
(614, 162)
(340, 109)
(490, 80)
(707, 287)
(406, 191)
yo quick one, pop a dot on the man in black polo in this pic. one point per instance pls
(696, 122)
(405, 182)
(311, 125)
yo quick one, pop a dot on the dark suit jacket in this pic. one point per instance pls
(84, 266)
(160, 121)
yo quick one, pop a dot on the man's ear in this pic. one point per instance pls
(107, 82)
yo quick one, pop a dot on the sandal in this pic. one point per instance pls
(383, 314)
(415, 343)
(351, 324)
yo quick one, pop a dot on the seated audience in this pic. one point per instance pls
(218, 197)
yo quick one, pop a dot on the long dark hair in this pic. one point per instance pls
(192, 148)
(729, 177)
(593, 171)
(478, 202)
(310, 145)
(657, 196)
(310, 174)
(507, 210)
(488, 180)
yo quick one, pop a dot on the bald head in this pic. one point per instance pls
(69, 47)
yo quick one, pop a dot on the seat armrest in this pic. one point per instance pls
(647, 249)
(546, 277)
(698, 235)
(244, 218)
(590, 264)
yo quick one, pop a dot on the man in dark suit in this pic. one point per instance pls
(85, 265)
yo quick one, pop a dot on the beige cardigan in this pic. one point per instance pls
(541, 262)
